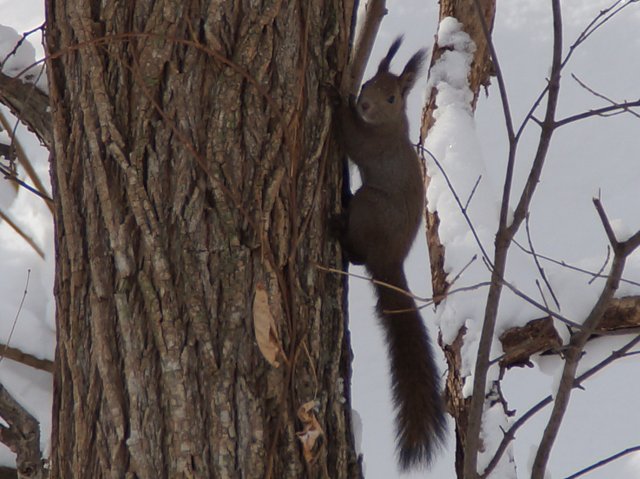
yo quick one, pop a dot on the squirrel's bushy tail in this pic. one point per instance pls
(420, 421)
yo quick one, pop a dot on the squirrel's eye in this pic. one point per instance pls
(391, 99)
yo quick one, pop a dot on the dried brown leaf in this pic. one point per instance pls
(312, 434)
(264, 325)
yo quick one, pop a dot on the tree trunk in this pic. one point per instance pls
(193, 176)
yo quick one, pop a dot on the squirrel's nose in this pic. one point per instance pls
(365, 105)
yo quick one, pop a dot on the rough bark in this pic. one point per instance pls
(193, 175)
(29, 104)
(465, 12)
(22, 436)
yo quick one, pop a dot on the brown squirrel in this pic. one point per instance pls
(377, 230)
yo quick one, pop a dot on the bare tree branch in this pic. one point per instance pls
(622, 316)
(22, 436)
(522, 342)
(27, 359)
(28, 104)
(611, 236)
(506, 231)
(538, 305)
(23, 234)
(573, 352)
(511, 433)
(375, 12)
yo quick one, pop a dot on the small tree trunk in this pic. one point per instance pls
(193, 175)
(481, 68)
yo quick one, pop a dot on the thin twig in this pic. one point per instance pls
(473, 191)
(23, 234)
(603, 17)
(620, 107)
(463, 210)
(438, 298)
(542, 296)
(540, 306)
(538, 265)
(19, 43)
(15, 320)
(495, 63)
(605, 223)
(371, 280)
(604, 462)
(586, 33)
(426, 300)
(564, 264)
(600, 95)
(9, 175)
(604, 265)
(464, 268)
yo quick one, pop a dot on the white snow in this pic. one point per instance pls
(14, 58)
(494, 422)
(455, 167)
(18, 58)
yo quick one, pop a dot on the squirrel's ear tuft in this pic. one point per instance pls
(411, 71)
(386, 61)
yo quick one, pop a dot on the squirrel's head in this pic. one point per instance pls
(382, 99)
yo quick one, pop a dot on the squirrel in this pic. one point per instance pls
(378, 228)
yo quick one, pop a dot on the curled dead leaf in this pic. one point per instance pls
(312, 434)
